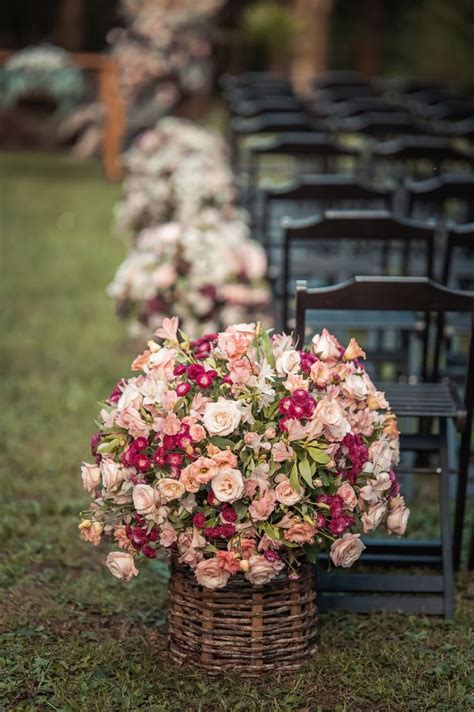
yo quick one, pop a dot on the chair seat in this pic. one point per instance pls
(435, 400)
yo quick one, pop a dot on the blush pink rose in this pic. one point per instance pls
(240, 372)
(260, 571)
(145, 499)
(236, 340)
(344, 552)
(197, 433)
(170, 489)
(228, 485)
(189, 479)
(260, 509)
(112, 474)
(300, 532)
(121, 565)
(397, 519)
(371, 519)
(326, 346)
(222, 418)
(346, 491)
(211, 574)
(282, 452)
(168, 535)
(288, 362)
(90, 476)
(285, 493)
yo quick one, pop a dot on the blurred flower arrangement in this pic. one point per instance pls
(191, 254)
(164, 52)
(208, 271)
(165, 168)
(239, 453)
(43, 69)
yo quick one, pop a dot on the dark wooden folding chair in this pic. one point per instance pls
(269, 104)
(309, 196)
(439, 402)
(384, 244)
(416, 157)
(381, 125)
(334, 79)
(446, 197)
(359, 106)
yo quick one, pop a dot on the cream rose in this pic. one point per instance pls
(144, 499)
(325, 346)
(286, 494)
(228, 485)
(222, 418)
(210, 574)
(330, 413)
(344, 552)
(260, 571)
(121, 565)
(288, 362)
(170, 489)
(372, 518)
(111, 472)
(355, 387)
(90, 476)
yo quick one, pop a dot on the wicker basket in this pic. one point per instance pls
(242, 627)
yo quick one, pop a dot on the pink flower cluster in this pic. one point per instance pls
(240, 454)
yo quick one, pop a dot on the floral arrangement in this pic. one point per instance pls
(239, 453)
(43, 68)
(165, 168)
(208, 271)
(163, 54)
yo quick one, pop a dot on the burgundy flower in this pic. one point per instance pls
(175, 459)
(183, 389)
(285, 405)
(296, 410)
(139, 537)
(195, 370)
(159, 458)
(209, 337)
(199, 520)
(300, 396)
(142, 463)
(149, 551)
(184, 441)
(228, 513)
(169, 442)
(153, 534)
(283, 421)
(140, 443)
(128, 456)
(306, 361)
(271, 555)
(338, 525)
(179, 369)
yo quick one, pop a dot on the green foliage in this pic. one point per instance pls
(72, 638)
(270, 25)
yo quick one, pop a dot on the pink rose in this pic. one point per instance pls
(346, 491)
(235, 340)
(300, 532)
(121, 565)
(286, 494)
(330, 413)
(197, 433)
(168, 535)
(144, 499)
(171, 425)
(229, 561)
(371, 519)
(228, 485)
(260, 571)
(321, 373)
(397, 518)
(90, 476)
(282, 452)
(260, 509)
(91, 531)
(210, 574)
(189, 479)
(189, 543)
(355, 387)
(240, 372)
(344, 552)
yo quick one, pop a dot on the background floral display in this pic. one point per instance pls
(240, 453)
(164, 53)
(44, 70)
(173, 171)
(208, 271)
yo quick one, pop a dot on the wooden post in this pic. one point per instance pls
(310, 54)
(114, 120)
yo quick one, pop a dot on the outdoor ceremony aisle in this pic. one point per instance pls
(71, 637)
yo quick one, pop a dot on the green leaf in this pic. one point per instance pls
(222, 442)
(311, 551)
(107, 447)
(306, 472)
(319, 456)
(267, 347)
(294, 479)
(271, 531)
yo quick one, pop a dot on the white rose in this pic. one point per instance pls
(344, 552)
(144, 499)
(121, 565)
(228, 485)
(260, 571)
(380, 454)
(355, 387)
(112, 473)
(288, 362)
(221, 418)
(325, 346)
(170, 489)
(90, 476)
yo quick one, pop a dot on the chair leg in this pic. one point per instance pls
(464, 457)
(445, 521)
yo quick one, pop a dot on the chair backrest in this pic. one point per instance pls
(379, 124)
(273, 104)
(357, 226)
(339, 78)
(459, 238)
(273, 122)
(384, 294)
(310, 195)
(432, 194)
(365, 105)
(407, 154)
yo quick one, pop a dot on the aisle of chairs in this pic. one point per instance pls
(363, 197)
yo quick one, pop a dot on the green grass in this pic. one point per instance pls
(72, 637)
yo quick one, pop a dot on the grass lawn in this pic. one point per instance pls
(73, 638)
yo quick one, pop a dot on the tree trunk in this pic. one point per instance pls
(311, 48)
